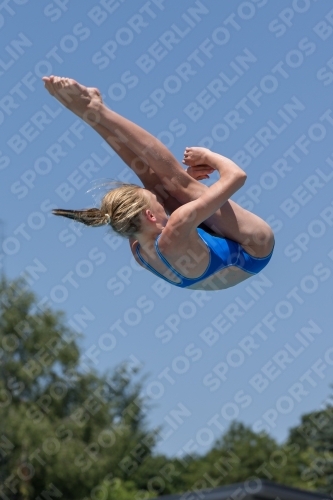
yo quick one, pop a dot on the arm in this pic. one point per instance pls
(187, 218)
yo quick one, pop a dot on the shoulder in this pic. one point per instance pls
(175, 239)
(177, 228)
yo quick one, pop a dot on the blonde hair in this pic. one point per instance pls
(121, 208)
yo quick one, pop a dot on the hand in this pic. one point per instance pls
(200, 172)
(195, 156)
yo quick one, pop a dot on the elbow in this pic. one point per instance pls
(244, 177)
(241, 178)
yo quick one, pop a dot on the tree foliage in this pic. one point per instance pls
(69, 432)
(62, 427)
(314, 436)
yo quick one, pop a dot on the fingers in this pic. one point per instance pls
(201, 177)
(200, 172)
(201, 169)
(193, 156)
(188, 159)
(207, 168)
(187, 152)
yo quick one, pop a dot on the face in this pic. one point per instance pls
(157, 208)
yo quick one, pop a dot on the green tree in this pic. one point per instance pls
(314, 436)
(241, 454)
(237, 456)
(63, 429)
(67, 431)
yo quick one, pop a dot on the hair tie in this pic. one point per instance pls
(108, 218)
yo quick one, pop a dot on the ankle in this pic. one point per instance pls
(92, 115)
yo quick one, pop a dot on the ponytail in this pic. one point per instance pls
(121, 208)
(88, 216)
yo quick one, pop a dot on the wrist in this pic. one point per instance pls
(209, 157)
(93, 113)
(215, 161)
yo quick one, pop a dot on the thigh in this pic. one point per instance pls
(237, 224)
(233, 222)
(153, 183)
(147, 176)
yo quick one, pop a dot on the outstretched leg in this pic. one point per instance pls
(87, 103)
(146, 175)
(230, 221)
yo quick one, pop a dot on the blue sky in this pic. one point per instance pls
(252, 81)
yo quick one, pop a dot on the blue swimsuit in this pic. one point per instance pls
(223, 253)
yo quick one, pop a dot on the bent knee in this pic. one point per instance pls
(263, 241)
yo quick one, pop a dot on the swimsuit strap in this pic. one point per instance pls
(163, 259)
(148, 266)
(223, 253)
(184, 281)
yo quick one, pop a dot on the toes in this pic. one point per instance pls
(49, 89)
(48, 86)
(58, 82)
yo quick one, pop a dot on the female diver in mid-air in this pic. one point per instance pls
(208, 242)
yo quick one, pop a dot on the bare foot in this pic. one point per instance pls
(196, 156)
(83, 101)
